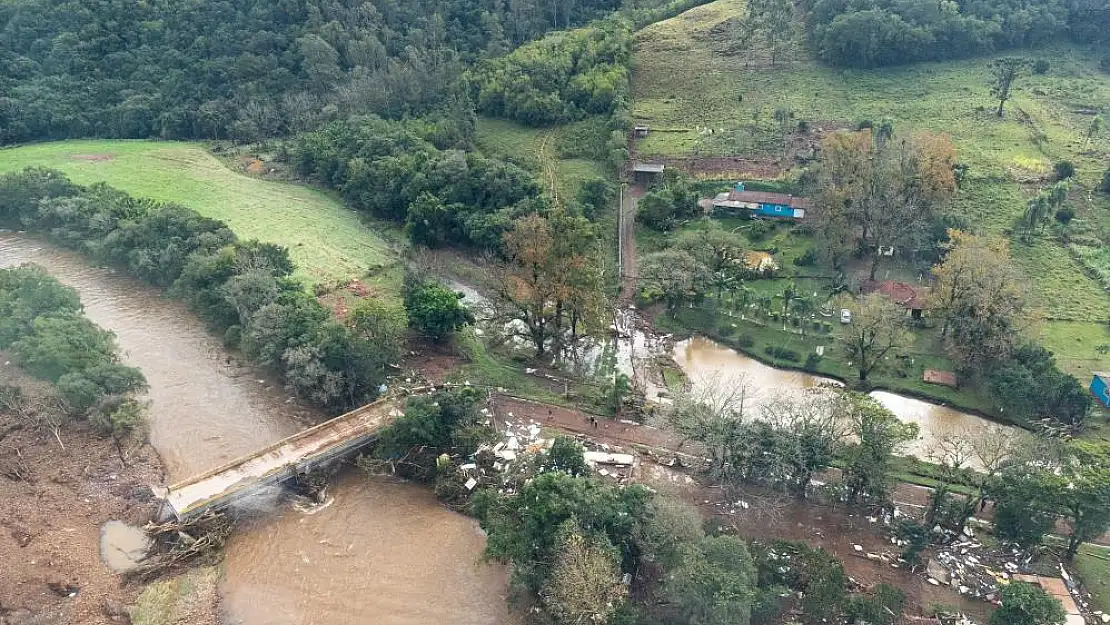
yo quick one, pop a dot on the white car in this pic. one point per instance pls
(845, 316)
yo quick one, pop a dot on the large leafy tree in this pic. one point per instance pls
(878, 330)
(876, 192)
(714, 584)
(435, 310)
(978, 294)
(879, 435)
(1026, 604)
(552, 282)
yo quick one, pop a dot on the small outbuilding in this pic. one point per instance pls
(641, 131)
(646, 173)
(912, 298)
(1100, 387)
(760, 204)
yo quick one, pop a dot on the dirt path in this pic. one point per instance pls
(630, 197)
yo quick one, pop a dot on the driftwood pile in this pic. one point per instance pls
(176, 544)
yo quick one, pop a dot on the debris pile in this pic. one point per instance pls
(521, 442)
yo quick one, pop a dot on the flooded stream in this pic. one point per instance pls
(707, 362)
(382, 552)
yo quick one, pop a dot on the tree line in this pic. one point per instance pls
(875, 33)
(44, 325)
(247, 70)
(242, 288)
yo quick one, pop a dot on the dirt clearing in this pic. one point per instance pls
(54, 503)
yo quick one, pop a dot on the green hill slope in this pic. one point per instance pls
(327, 242)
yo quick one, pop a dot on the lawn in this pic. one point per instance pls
(1093, 564)
(725, 108)
(327, 242)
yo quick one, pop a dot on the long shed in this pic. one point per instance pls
(760, 204)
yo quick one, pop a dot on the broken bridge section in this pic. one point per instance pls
(297, 454)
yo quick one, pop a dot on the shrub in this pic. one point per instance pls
(807, 258)
(1104, 64)
(1064, 170)
(1105, 186)
(760, 229)
(1041, 66)
(435, 310)
(781, 353)
(744, 341)
(725, 329)
(865, 124)
(812, 360)
(1065, 215)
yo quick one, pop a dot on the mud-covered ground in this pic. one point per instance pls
(55, 493)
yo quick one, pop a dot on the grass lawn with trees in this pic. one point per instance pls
(542, 150)
(327, 242)
(1009, 159)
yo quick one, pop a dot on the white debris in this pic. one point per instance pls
(471, 483)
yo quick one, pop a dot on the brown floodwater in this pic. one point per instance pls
(708, 363)
(381, 552)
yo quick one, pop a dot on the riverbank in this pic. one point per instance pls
(58, 490)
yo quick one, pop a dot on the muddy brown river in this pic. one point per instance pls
(707, 362)
(381, 552)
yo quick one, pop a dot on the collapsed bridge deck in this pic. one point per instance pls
(279, 461)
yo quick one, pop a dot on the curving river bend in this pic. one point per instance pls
(383, 552)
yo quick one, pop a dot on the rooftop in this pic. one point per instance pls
(764, 197)
(648, 168)
(912, 297)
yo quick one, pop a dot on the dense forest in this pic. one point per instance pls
(873, 33)
(444, 197)
(248, 69)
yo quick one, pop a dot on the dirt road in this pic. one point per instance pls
(630, 197)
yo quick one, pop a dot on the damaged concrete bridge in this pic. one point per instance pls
(297, 454)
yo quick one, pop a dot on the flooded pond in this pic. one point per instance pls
(706, 362)
(382, 552)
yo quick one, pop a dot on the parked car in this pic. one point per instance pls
(845, 316)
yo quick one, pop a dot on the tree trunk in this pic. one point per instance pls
(875, 263)
(1001, 103)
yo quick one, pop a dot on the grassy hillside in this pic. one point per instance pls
(326, 241)
(725, 108)
(540, 150)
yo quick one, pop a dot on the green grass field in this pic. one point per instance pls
(327, 242)
(537, 149)
(1009, 158)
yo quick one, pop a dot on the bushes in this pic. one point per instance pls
(1041, 66)
(241, 288)
(1030, 385)
(1064, 170)
(781, 353)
